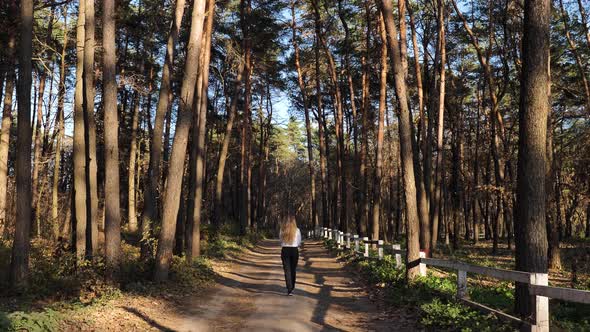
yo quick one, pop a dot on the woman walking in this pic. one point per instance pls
(290, 242)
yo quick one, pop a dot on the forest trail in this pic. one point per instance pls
(250, 296)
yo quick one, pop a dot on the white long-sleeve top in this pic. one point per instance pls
(296, 242)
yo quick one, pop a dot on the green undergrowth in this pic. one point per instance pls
(58, 287)
(438, 311)
(434, 295)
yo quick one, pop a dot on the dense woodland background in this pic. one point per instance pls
(163, 123)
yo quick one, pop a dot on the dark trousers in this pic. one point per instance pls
(290, 256)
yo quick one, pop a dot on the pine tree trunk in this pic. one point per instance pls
(553, 250)
(37, 152)
(476, 214)
(166, 152)
(422, 196)
(90, 132)
(440, 131)
(380, 135)
(183, 124)
(322, 140)
(531, 237)
(199, 134)
(150, 211)
(181, 231)
(111, 142)
(406, 153)
(19, 264)
(6, 125)
(245, 210)
(80, 194)
(457, 182)
(131, 191)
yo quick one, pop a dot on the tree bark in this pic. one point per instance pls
(80, 194)
(531, 237)
(111, 142)
(406, 153)
(200, 132)
(131, 171)
(6, 125)
(183, 124)
(19, 264)
(90, 132)
(245, 167)
(437, 200)
(150, 211)
(166, 152)
(380, 131)
(322, 140)
(423, 196)
(476, 214)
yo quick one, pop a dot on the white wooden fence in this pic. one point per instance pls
(537, 282)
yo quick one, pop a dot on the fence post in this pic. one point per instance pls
(461, 284)
(540, 317)
(341, 239)
(338, 239)
(356, 243)
(366, 242)
(422, 265)
(330, 234)
(380, 248)
(347, 240)
(398, 256)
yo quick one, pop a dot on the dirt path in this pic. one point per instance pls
(250, 296)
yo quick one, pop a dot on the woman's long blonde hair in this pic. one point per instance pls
(288, 230)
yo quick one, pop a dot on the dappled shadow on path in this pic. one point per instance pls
(323, 287)
(148, 320)
(251, 296)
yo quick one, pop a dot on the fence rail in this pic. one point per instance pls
(537, 282)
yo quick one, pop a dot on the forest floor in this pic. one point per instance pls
(249, 295)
